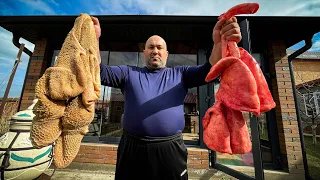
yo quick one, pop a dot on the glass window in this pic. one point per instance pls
(114, 101)
(112, 98)
(236, 160)
(246, 160)
(106, 125)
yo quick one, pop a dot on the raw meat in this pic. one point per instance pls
(67, 93)
(266, 101)
(242, 88)
(238, 89)
(216, 117)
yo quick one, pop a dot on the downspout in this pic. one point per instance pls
(308, 44)
(15, 40)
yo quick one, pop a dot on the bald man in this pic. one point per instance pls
(152, 146)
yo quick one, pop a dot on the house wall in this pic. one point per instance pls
(37, 66)
(290, 146)
(198, 158)
(107, 154)
(115, 112)
(306, 70)
(89, 152)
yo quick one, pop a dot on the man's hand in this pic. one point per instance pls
(228, 29)
(96, 26)
(97, 29)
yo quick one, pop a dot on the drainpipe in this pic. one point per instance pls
(15, 40)
(307, 46)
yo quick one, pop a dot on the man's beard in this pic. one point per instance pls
(157, 65)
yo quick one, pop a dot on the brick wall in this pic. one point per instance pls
(306, 70)
(107, 154)
(37, 66)
(289, 138)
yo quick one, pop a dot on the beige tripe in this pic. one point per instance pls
(67, 93)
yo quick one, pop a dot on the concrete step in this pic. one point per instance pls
(93, 171)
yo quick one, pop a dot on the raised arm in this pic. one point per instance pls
(194, 76)
(113, 76)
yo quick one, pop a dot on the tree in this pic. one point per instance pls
(309, 102)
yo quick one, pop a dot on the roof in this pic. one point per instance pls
(137, 28)
(315, 81)
(306, 55)
(190, 98)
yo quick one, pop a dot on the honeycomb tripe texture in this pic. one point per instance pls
(67, 93)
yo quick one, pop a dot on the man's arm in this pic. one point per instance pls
(194, 76)
(113, 76)
(228, 29)
(224, 29)
(216, 54)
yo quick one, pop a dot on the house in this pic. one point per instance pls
(189, 42)
(307, 77)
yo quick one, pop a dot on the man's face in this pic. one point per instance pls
(155, 53)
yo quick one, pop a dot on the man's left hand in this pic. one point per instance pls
(228, 29)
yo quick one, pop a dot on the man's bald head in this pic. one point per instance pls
(155, 52)
(157, 38)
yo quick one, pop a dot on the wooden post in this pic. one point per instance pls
(5, 96)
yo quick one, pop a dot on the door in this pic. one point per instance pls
(206, 99)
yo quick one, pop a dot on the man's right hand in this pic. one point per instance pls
(97, 29)
(96, 26)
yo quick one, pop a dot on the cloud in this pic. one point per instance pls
(299, 8)
(8, 52)
(16, 85)
(208, 7)
(6, 8)
(54, 2)
(39, 5)
(315, 46)
(315, 43)
(117, 7)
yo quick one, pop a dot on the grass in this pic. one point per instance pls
(313, 157)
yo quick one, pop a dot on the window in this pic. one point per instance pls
(107, 124)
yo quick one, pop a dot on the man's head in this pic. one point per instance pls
(155, 52)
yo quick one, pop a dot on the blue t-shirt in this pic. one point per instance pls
(153, 99)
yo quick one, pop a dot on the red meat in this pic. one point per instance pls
(243, 87)
(216, 138)
(239, 135)
(265, 97)
(238, 89)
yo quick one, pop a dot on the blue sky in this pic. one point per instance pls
(8, 51)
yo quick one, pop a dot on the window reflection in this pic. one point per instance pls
(114, 101)
(110, 106)
(247, 159)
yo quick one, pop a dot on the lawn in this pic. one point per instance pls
(313, 157)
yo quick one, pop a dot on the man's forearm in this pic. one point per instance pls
(215, 54)
(98, 53)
